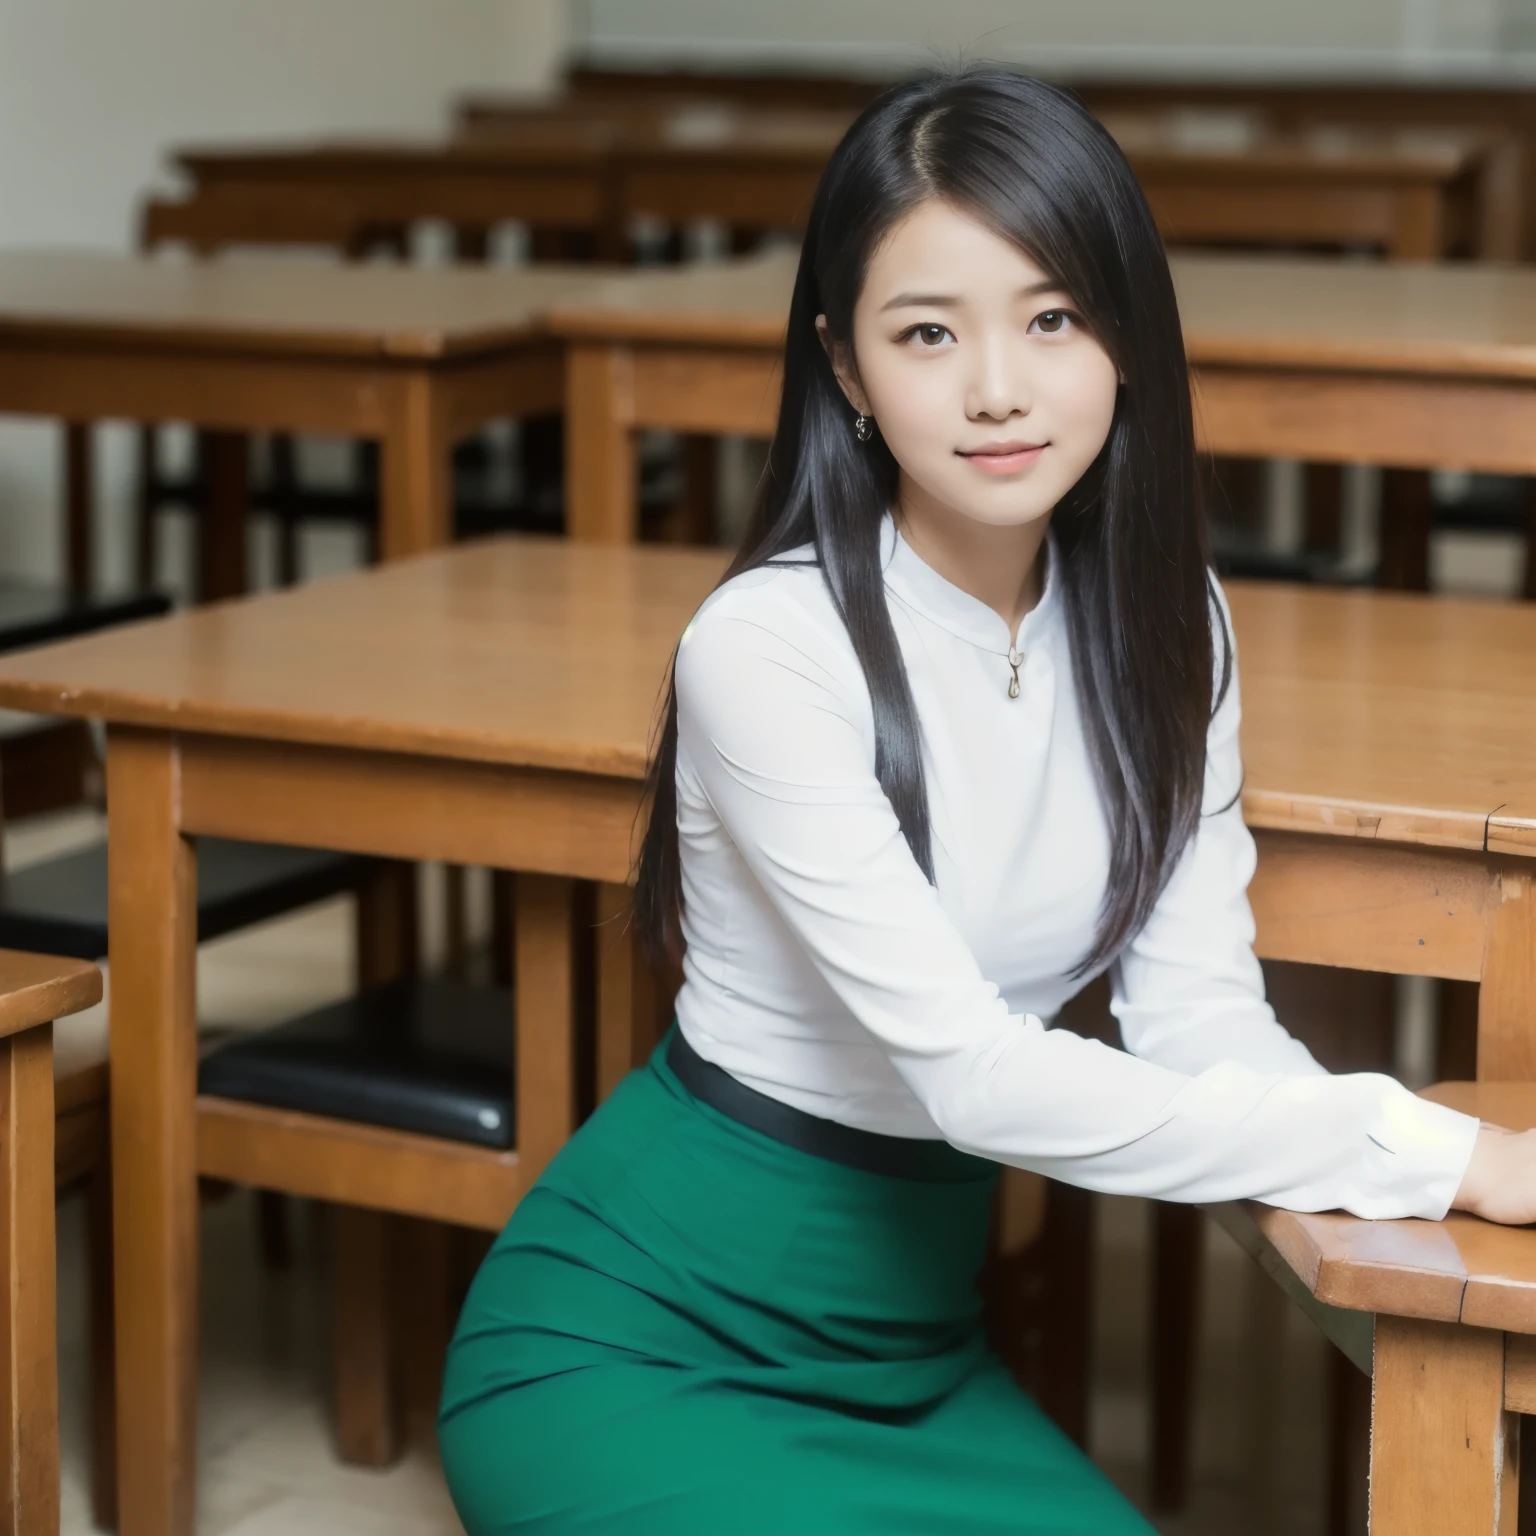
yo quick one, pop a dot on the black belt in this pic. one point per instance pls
(900, 1157)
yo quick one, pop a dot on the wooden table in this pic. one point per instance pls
(1412, 365)
(553, 176)
(487, 705)
(414, 357)
(1442, 1317)
(491, 705)
(1391, 100)
(1390, 748)
(1229, 179)
(589, 169)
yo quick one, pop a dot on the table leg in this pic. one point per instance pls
(221, 536)
(365, 1338)
(152, 926)
(79, 506)
(626, 995)
(546, 1025)
(29, 1375)
(1178, 1274)
(1324, 508)
(1420, 225)
(417, 503)
(1506, 1044)
(1528, 586)
(1444, 1453)
(602, 501)
(362, 1350)
(1406, 515)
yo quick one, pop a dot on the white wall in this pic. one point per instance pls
(94, 92)
(1133, 37)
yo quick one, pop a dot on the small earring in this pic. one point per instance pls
(863, 428)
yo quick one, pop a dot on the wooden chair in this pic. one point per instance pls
(34, 991)
(399, 1108)
(405, 1108)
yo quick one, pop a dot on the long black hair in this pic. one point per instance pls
(1027, 160)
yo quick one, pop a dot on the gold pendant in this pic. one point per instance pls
(1015, 660)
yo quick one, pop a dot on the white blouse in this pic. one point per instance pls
(824, 970)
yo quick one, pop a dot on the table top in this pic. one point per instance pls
(556, 141)
(575, 134)
(37, 989)
(742, 302)
(283, 305)
(1389, 715)
(521, 650)
(1194, 140)
(1453, 319)
(1462, 1269)
(1413, 718)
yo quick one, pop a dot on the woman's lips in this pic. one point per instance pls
(1004, 458)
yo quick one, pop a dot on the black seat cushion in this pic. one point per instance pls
(434, 1057)
(33, 613)
(59, 906)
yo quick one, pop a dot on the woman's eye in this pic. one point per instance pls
(929, 335)
(1051, 322)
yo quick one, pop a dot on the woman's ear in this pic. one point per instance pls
(840, 355)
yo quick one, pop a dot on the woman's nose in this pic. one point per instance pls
(997, 389)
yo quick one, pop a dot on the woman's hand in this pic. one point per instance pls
(1500, 1181)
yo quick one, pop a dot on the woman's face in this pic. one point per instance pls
(987, 387)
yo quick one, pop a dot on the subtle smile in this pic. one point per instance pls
(1003, 458)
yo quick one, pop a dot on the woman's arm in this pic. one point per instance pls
(1187, 990)
(774, 725)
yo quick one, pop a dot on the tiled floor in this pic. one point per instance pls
(265, 1461)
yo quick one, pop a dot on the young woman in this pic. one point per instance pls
(958, 732)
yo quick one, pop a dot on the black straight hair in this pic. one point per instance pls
(1029, 161)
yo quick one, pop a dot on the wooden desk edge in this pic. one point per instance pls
(1403, 825)
(37, 989)
(316, 731)
(1253, 354)
(619, 327)
(380, 346)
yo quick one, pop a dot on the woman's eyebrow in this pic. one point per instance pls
(912, 300)
(952, 301)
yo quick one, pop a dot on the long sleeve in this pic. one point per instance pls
(774, 728)
(1187, 990)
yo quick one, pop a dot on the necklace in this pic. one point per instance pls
(1015, 660)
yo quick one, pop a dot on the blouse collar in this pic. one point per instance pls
(921, 587)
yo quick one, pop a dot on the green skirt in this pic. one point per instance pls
(688, 1327)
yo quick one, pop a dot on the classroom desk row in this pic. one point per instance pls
(1412, 365)
(584, 172)
(594, 168)
(492, 705)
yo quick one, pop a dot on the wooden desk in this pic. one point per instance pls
(1442, 1317)
(414, 357)
(1229, 179)
(484, 705)
(552, 175)
(1411, 365)
(588, 167)
(1497, 107)
(1389, 743)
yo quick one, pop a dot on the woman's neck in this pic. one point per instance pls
(1000, 566)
